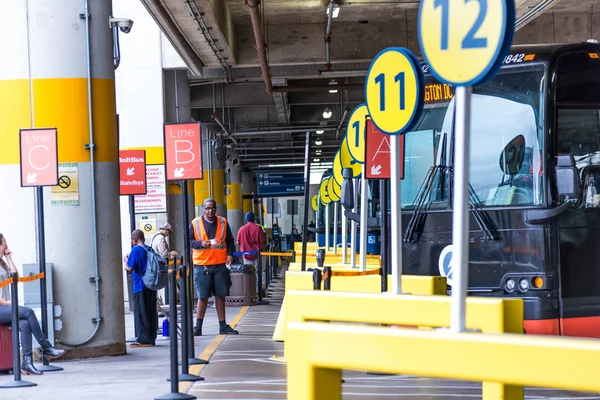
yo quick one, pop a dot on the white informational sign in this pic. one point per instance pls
(156, 199)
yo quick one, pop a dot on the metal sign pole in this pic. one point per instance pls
(363, 219)
(45, 367)
(353, 232)
(344, 236)
(396, 225)
(335, 226)
(460, 216)
(327, 227)
(306, 200)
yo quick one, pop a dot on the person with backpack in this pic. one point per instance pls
(144, 304)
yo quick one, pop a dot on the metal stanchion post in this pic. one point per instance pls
(17, 382)
(316, 279)
(327, 278)
(259, 267)
(174, 394)
(185, 359)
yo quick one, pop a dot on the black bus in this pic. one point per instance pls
(534, 186)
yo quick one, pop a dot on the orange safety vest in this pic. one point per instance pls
(216, 254)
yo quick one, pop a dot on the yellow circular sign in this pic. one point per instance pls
(347, 160)
(314, 202)
(394, 90)
(355, 133)
(324, 193)
(464, 41)
(331, 189)
(337, 169)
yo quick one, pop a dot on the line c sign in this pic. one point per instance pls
(39, 157)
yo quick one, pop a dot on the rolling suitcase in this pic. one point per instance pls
(6, 350)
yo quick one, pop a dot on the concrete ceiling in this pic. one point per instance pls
(217, 41)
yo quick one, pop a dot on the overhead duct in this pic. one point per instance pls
(534, 12)
(260, 43)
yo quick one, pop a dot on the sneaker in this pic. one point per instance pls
(227, 330)
(197, 331)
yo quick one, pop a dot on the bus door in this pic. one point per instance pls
(578, 134)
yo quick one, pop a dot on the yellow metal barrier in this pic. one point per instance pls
(318, 355)
(420, 285)
(490, 315)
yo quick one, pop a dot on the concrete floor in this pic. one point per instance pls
(241, 368)
(140, 375)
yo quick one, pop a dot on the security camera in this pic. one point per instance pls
(124, 24)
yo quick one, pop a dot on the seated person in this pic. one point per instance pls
(27, 319)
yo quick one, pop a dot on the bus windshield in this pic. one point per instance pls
(506, 143)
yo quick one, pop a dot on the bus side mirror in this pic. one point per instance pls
(347, 198)
(567, 177)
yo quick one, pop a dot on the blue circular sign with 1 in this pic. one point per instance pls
(445, 263)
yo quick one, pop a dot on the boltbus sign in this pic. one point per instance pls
(183, 151)
(132, 172)
(39, 157)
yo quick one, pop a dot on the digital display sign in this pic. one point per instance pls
(438, 92)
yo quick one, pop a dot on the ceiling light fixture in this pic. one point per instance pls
(318, 142)
(320, 132)
(332, 83)
(336, 11)
(327, 113)
(316, 159)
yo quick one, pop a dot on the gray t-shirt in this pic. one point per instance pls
(5, 291)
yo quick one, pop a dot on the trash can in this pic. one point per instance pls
(243, 286)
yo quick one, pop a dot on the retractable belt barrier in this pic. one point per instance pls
(176, 272)
(15, 325)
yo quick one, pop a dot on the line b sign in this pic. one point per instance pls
(183, 151)
(132, 172)
(39, 157)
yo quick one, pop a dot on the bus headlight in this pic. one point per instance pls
(524, 285)
(510, 286)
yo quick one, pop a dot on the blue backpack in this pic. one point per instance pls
(156, 275)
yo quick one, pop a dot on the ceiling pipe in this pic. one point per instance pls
(278, 131)
(328, 35)
(533, 13)
(339, 127)
(280, 147)
(344, 73)
(260, 43)
(225, 131)
(318, 88)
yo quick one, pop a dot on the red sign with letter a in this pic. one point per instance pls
(132, 172)
(39, 157)
(378, 153)
(183, 151)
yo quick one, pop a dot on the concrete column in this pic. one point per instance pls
(45, 84)
(248, 191)
(213, 184)
(235, 214)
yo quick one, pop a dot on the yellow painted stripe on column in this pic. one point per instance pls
(154, 154)
(201, 189)
(247, 203)
(15, 113)
(234, 199)
(218, 185)
(61, 104)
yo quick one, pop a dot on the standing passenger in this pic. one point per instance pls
(144, 305)
(212, 246)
